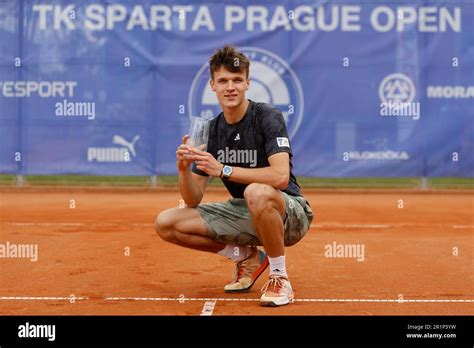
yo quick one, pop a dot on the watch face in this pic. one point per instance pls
(227, 170)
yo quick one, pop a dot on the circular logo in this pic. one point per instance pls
(272, 81)
(397, 88)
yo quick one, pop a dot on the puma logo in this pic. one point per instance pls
(119, 140)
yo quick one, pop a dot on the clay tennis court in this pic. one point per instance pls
(103, 257)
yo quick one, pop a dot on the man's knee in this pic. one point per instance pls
(259, 198)
(164, 225)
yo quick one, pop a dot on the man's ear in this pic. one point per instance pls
(248, 83)
(213, 86)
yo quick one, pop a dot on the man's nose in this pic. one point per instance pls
(230, 86)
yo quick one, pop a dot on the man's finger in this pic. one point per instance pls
(185, 138)
(197, 151)
(182, 151)
(188, 157)
(200, 158)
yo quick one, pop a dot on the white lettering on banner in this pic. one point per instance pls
(107, 154)
(427, 19)
(114, 154)
(448, 92)
(378, 155)
(184, 17)
(44, 89)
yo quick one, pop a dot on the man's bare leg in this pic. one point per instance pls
(267, 208)
(185, 227)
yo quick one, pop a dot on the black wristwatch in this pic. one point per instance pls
(226, 172)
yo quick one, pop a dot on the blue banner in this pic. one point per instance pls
(367, 88)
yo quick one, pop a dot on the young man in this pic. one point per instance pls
(249, 150)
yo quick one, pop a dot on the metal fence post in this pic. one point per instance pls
(153, 180)
(424, 183)
(20, 180)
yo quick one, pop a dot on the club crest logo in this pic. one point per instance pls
(272, 81)
(397, 89)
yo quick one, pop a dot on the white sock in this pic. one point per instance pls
(236, 253)
(278, 266)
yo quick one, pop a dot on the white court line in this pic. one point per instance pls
(74, 224)
(376, 226)
(384, 226)
(323, 225)
(183, 299)
(178, 299)
(41, 298)
(210, 300)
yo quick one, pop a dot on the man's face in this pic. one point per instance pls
(230, 87)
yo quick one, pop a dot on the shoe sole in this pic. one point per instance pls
(272, 304)
(275, 304)
(259, 272)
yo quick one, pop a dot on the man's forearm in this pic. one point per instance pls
(190, 192)
(275, 177)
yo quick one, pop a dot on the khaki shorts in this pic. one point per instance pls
(232, 223)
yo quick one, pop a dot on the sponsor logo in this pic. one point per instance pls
(283, 142)
(376, 155)
(44, 89)
(273, 81)
(397, 93)
(450, 92)
(229, 156)
(237, 137)
(397, 88)
(75, 109)
(114, 154)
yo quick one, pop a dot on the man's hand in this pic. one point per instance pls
(206, 162)
(183, 156)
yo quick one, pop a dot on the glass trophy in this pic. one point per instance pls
(198, 133)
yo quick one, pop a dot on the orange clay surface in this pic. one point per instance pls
(103, 257)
